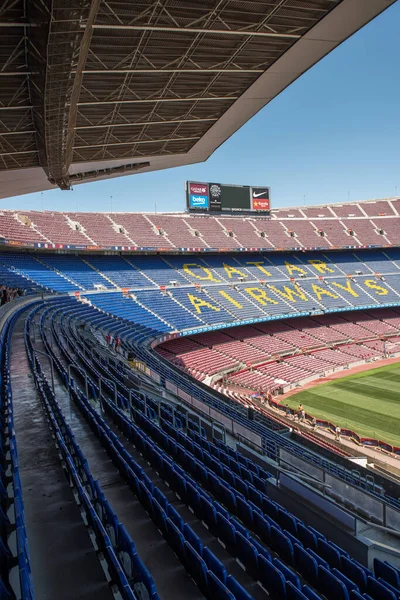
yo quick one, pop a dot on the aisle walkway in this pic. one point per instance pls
(63, 560)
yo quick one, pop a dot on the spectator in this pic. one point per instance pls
(337, 434)
(287, 410)
(117, 343)
(7, 294)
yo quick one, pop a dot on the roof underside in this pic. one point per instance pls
(98, 88)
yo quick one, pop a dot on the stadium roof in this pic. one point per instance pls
(93, 89)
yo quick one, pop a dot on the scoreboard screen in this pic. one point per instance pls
(218, 197)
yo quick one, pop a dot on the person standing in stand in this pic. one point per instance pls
(117, 343)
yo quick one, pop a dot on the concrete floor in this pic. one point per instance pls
(63, 560)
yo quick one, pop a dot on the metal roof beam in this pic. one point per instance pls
(197, 30)
(16, 24)
(18, 107)
(143, 123)
(16, 132)
(60, 45)
(18, 152)
(133, 143)
(158, 71)
(156, 100)
(109, 172)
(14, 73)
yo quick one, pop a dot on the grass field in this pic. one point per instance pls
(366, 402)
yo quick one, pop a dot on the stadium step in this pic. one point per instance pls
(56, 532)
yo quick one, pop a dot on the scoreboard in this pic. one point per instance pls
(219, 197)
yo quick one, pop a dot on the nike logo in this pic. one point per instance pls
(259, 194)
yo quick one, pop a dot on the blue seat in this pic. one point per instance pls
(239, 527)
(354, 572)
(111, 522)
(306, 564)
(196, 567)
(228, 499)
(288, 574)
(331, 586)
(178, 483)
(287, 521)
(117, 575)
(216, 589)
(329, 553)
(247, 554)
(208, 513)
(175, 517)
(270, 509)
(350, 585)
(159, 515)
(378, 590)
(306, 536)
(193, 539)
(294, 593)
(309, 593)
(321, 562)
(354, 595)
(125, 543)
(272, 579)
(226, 531)
(174, 537)
(244, 511)
(214, 564)
(393, 589)
(255, 496)
(193, 498)
(262, 527)
(387, 572)
(228, 476)
(237, 590)
(241, 486)
(282, 545)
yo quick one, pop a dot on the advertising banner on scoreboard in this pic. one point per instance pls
(198, 196)
(260, 198)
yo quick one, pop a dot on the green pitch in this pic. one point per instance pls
(367, 403)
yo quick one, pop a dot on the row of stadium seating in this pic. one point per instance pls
(351, 225)
(86, 271)
(268, 356)
(224, 489)
(14, 549)
(263, 425)
(170, 294)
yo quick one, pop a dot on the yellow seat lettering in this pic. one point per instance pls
(199, 302)
(231, 300)
(346, 288)
(187, 267)
(320, 266)
(260, 295)
(289, 293)
(372, 285)
(259, 265)
(229, 270)
(294, 268)
(320, 291)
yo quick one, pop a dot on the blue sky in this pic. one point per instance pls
(332, 136)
